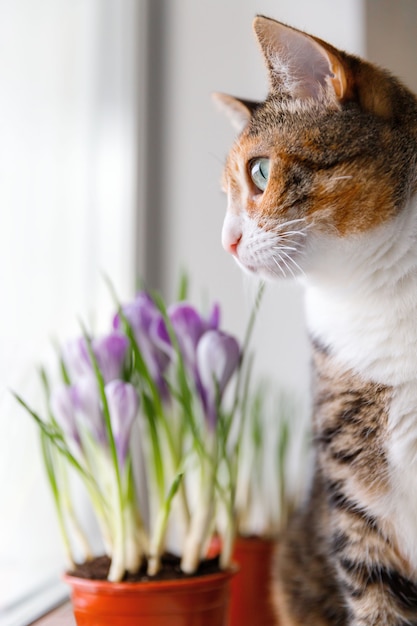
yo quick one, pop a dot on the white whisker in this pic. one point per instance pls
(289, 268)
(290, 222)
(293, 232)
(289, 242)
(297, 247)
(285, 248)
(270, 246)
(278, 266)
(293, 261)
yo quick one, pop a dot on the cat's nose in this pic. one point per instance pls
(231, 234)
(230, 243)
(233, 246)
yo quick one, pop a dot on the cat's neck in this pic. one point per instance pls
(361, 300)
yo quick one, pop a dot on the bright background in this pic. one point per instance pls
(110, 158)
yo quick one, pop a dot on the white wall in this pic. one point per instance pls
(391, 37)
(210, 47)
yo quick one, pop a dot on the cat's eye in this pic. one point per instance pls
(259, 172)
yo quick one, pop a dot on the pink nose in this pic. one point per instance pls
(232, 246)
(231, 236)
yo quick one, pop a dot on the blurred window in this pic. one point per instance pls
(70, 116)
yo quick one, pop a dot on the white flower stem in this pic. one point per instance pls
(135, 542)
(79, 533)
(195, 539)
(200, 519)
(65, 538)
(156, 544)
(72, 518)
(118, 566)
(228, 539)
(158, 538)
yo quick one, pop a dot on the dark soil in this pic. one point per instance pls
(98, 569)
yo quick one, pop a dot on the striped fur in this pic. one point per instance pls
(336, 540)
(339, 213)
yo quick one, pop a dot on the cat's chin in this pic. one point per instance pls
(247, 269)
(263, 273)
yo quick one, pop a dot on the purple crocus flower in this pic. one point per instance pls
(213, 321)
(63, 409)
(123, 405)
(76, 358)
(110, 352)
(78, 406)
(218, 356)
(139, 313)
(88, 409)
(148, 326)
(189, 326)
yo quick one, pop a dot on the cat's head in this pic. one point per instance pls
(331, 153)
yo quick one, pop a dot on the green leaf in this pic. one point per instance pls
(63, 368)
(56, 437)
(149, 411)
(56, 492)
(245, 346)
(182, 292)
(173, 489)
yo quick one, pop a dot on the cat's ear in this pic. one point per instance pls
(238, 111)
(300, 66)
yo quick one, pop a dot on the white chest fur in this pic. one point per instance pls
(361, 301)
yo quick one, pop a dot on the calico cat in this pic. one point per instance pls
(321, 186)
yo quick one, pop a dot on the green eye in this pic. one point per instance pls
(259, 172)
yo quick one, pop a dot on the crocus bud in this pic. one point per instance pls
(213, 321)
(139, 313)
(188, 326)
(63, 409)
(147, 324)
(110, 352)
(88, 409)
(218, 356)
(123, 403)
(76, 358)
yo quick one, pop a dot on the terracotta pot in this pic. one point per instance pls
(251, 601)
(199, 601)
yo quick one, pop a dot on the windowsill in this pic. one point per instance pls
(37, 603)
(62, 616)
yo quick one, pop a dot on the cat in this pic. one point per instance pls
(321, 186)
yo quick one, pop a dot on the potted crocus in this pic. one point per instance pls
(270, 467)
(143, 416)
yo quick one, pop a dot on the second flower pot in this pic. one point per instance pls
(251, 601)
(197, 601)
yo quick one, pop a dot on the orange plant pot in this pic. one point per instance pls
(251, 601)
(199, 601)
